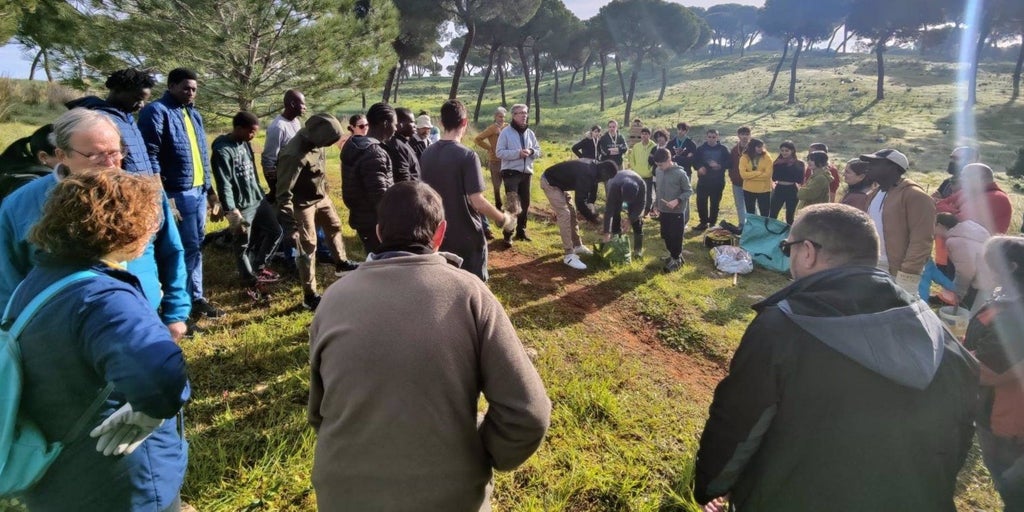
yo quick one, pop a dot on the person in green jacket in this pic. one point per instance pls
(815, 190)
(637, 159)
(251, 218)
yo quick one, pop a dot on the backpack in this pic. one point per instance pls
(25, 453)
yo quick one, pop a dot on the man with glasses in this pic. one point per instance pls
(845, 393)
(87, 139)
(711, 160)
(176, 142)
(517, 148)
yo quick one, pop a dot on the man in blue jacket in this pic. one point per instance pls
(86, 139)
(176, 144)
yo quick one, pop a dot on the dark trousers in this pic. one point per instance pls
(1000, 454)
(638, 232)
(368, 236)
(709, 197)
(761, 200)
(783, 195)
(254, 246)
(649, 200)
(672, 227)
(518, 183)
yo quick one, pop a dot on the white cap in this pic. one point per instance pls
(888, 154)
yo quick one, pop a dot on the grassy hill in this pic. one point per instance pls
(629, 355)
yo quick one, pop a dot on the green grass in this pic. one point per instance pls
(628, 354)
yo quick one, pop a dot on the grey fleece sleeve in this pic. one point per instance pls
(519, 410)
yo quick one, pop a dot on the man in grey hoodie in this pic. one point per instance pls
(845, 394)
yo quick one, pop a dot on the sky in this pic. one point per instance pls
(14, 64)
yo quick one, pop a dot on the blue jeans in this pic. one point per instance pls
(741, 205)
(191, 205)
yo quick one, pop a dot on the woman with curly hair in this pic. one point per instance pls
(99, 332)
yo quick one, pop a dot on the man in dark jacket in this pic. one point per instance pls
(405, 165)
(612, 145)
(176, 143)
(626, 188)
(558, 184)
(366, 173)
(845, 394)
(129, 90)
(712, 160)
(304, 203)
(683, 149)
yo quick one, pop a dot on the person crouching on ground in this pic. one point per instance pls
(393, 398)
(673, 204)
(626, 188)
(558, 183)
(101, 330)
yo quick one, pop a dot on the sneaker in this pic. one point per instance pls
(638, 255)
(203, 308)
(310, 301)
(265, 275)
(574, 261)
(582, 250)
(344, 266)
(700, 227)
(673, 264)
(521, 236)
(255, 293)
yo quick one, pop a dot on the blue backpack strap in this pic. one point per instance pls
(37, 302)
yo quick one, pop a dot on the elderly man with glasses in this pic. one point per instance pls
(845, 393)
(87, 139)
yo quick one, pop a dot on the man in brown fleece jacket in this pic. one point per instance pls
(400, 351)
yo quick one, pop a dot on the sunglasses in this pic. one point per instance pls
(362, 125)
(785, 245)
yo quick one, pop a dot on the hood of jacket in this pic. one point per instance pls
(361, 142)
(969, 230)
(97, 103)
(322, 130)
(861, 313)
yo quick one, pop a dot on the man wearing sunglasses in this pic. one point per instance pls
(845, 393)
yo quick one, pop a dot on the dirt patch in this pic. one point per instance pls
(602, 310)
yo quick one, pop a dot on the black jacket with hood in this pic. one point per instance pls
(365, 176)
(844, 395)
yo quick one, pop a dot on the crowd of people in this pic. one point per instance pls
(846, 392)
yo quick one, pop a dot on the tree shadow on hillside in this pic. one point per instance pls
(911, 73)
(565, 296)
(861, 111)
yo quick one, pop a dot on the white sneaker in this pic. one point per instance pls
(574, 261)
(583, 250)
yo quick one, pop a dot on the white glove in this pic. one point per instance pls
(234, 218)
(124, 431)
(908, 282)
(509, 222)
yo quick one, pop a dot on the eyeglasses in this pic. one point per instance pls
(785, 245)
(101, 157)
(362, 126)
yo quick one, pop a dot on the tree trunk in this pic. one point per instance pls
(389, 83)
(972, 85)
(463, 54)
(792, 71)
(526, 75)
(1017, 70)
(398, 81)
(846, 36)
(879, 52)
(364, 101)
(536, 85)
(501, 80)
(604, 67)
(831, 39)
(35, 62)
(46, 66)
(572, 81)
(785, 50)
(554, 99)
(629, 97)
(586, 68)
(483, 83)
(664, 83)
(622, 81)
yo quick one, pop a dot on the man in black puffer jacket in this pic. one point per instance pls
(845, 394)
(366, 173)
